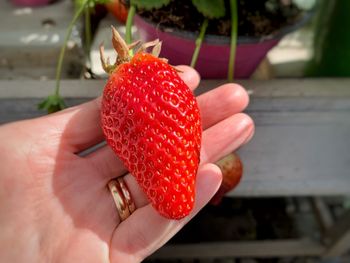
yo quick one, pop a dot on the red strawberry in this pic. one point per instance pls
(118, 9)
(151, 120)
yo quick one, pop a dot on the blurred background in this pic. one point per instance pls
(286, 195)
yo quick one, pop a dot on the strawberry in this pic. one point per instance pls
(232, 170)
(151, 120)
(118, 9)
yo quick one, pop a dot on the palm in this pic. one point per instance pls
(62, 196)
(60, 200)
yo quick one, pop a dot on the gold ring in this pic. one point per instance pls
(122, 198)
(130, 203)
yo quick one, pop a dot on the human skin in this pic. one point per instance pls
(55, 205)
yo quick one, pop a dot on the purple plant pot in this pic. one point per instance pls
(31, 3)
(178, 46)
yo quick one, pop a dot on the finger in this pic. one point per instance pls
(222, 102)
(233, 132)
(107, 164)
(138, 197)
(82, 123)
(189, 76)
(215, 106)
(145, 230)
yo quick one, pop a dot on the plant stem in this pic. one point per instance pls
(129, 22)
(77, 14)
(87, 33)
(199, 42)
(233, 43)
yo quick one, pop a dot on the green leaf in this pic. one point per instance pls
(52, 104)
(149, 4)
(210, 8)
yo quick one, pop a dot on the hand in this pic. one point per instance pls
(54, 204)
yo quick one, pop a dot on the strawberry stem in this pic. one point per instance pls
(88, 34)
(233, 44)
(129, 22)
(63, 49)
(55, 102)
(199, 42)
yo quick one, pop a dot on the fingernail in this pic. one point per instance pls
(250, 132)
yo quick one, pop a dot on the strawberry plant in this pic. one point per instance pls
(150, 118)
(257, 22)
(55, 102)
(209, 9)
